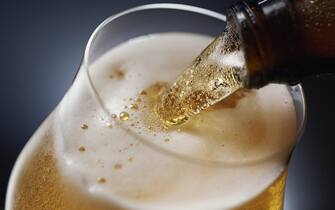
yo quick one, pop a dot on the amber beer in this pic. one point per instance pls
(42, 187)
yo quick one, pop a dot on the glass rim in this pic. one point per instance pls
(302, 124)
(201, 11)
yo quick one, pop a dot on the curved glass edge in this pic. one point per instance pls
(299, 102)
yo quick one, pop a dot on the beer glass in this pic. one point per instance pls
(139, 21)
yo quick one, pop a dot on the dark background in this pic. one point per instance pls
(41, 48)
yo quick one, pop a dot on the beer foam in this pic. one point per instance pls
(221, 159)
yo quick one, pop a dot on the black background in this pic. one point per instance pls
(41, 48)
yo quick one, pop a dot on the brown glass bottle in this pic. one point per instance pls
(285, 40)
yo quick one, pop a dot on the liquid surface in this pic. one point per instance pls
(111, 145)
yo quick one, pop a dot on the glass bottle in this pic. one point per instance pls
(285, 40)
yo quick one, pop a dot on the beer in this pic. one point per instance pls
(104, 147)
(215, 74)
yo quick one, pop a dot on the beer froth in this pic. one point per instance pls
(137, 164)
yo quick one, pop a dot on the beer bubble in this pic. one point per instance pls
(101, 180)
(117, 166)
(124, 116)
(134, 106)
(109, 125)
(82, 149)
(84, 126)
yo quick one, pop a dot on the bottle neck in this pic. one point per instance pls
(270, 40)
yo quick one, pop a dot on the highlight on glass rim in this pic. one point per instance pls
(176, 107)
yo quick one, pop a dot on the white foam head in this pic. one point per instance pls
(204, 166)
